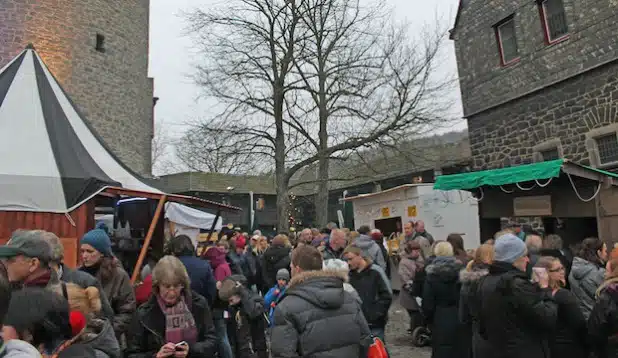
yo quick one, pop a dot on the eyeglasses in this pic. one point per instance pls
(559, 269)
(177, 287)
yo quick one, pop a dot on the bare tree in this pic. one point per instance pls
(306, 81)
(161, 156)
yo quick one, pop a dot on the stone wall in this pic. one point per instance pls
(593, 40)
(566, 111)
(110, 88)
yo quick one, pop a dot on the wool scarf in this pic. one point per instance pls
(179, 322)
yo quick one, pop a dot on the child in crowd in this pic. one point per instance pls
(276, 293)
(246, 324)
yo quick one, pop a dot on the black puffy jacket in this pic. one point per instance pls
(374, 292)
(275, 258)
(317, 318)
(603, 321)
(517, 315)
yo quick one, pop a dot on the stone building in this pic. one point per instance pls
(98, 50)
(539, 81)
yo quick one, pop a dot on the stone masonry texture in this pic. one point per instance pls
(111, 89)
(562, 90)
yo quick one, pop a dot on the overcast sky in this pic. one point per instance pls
(171, 53)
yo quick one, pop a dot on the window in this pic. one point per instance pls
(550, 154)
(100, 46)
(607, 145)
(554, 20)
(507, 41)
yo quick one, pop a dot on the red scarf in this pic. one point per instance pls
(38, 279)
(179, 322)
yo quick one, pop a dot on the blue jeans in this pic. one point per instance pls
(225, 349)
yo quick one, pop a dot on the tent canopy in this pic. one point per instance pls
(191, 217)
(522, 173)
(52, 160)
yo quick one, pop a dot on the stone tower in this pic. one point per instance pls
(98, 50)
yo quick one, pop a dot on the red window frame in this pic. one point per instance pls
(504, 63)
(545, 24)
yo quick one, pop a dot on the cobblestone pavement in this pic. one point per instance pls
(398, 340)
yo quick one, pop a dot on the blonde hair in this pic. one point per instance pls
(85, 300)
(169, 270)
(443, 248)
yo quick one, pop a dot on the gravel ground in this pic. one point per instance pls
(398, 339)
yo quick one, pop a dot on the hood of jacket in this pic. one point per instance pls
(16, 348)
(475, 274)
(582, 268)
(99, 334)
(364, 242)
(444, 269)
(216, 256)
(323, 288)
(276, 253)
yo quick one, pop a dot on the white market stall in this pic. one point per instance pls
(184, 220)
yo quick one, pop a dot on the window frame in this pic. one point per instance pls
(552, 149)
(545, 24)
(99, 45)
(503, 62)
(596, 142)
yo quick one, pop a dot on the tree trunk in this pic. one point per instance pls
(281, 180)
(321, 197)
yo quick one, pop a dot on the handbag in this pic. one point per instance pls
(377, 349)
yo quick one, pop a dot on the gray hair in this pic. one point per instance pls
(170, 270)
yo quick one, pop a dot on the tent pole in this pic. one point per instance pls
(214, 224)
(151, 229)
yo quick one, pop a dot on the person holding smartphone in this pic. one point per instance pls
(569, 337)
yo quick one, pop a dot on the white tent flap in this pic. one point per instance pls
(187, 216)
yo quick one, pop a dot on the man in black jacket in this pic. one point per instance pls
(369, 280)
(316, 317)
(517, 314)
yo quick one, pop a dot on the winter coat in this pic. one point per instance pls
(425, 235)
(584, 279)
(516, 316)
(603, 321)
(317, 318)
(423, 242)
(384, 251)
(99, 335)
(216, 257)
(276, 257)
(408, 267)
(470, 311)
(147, 334)
(328, 253)
(374, 292)
(84, 280)
(19, 349)
(119, 291)
(440, 301)
(143, 290)
(569, 338)
(246, 326)
(271, 298)
(370, 250)
(201, 277)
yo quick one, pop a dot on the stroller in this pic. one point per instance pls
(421, 335)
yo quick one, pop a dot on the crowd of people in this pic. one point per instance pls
(320, 293)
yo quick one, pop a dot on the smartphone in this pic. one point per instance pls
(179, 346)
(539, 274)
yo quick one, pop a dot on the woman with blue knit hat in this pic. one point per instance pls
(98, 260)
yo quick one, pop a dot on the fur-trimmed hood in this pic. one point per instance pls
(323, 288)
(99, 335)
(444, 269)
(474, 275)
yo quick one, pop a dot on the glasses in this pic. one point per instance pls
(172, 287)
(559, 269)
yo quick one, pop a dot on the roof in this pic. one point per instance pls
(522, 173)
(462, 3)
(397, 188)
(364, 167)
(217, 183)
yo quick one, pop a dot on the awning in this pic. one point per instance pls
(521, 173)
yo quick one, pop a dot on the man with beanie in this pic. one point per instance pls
(67, 274)
(517, 314)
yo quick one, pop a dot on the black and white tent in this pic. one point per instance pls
(51, 159)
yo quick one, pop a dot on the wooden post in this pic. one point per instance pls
(153, 225)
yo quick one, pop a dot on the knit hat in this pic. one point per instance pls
(241, 242)
(509, 248)
(335, 265)
(283, 274)
(98, 239)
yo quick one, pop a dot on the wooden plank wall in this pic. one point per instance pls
(59, 224)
